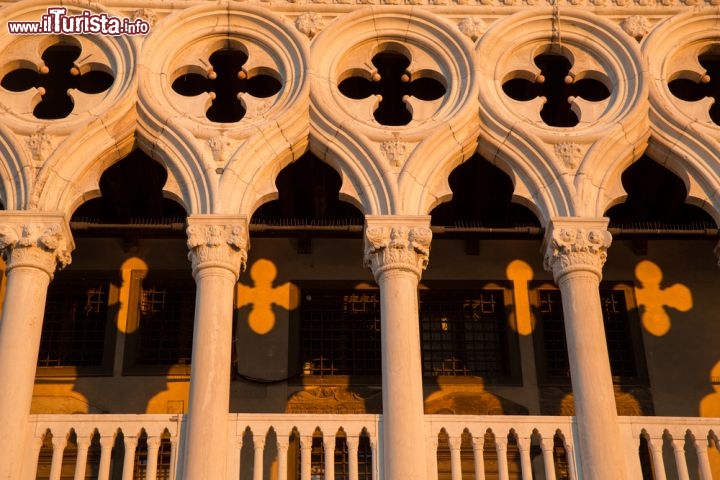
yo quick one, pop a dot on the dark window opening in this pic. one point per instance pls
(340, 331)
(55, 78)
(482, 197)
(131, 193)
(227, 80)
(623, 344)
(163, 322)
(557, 85)
(308, 195)
(707, 86)
(656, 199)
(464, 333)
(393, 82)
(75, 326)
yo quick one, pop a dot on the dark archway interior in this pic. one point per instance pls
(482, 197)
(656, 200)
(131, 193)
(308, 195)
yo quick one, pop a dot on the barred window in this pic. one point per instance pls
(163, 319)
(464, 332)
(619, 334)
(340, 331)
(75, 326)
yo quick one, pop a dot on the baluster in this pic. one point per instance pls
(655, 445)
(329, 447)
(523, 444)
(106, 445)
(305, 457)
(547, 445)
(259, 446)
(478, 444)
(83, 444)
(455, 444)
(352, 447)
(59, 444)
(153, 446)
(432, 466)
(570, 454)
(174, 457)
(129, 460)
(501, 449)
(678, 446)
(282, 448)
(703, 460)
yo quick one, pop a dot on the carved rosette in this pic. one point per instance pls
(215, 245)
(576, 247)
(38, 245)
(397, 247)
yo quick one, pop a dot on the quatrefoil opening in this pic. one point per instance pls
(229, 84)
(559, 87)
(393, 86)
(694, 86)
(56, 79)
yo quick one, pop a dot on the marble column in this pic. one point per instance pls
(397, 250)
(33, 246)
(575, 252)
(218, 252)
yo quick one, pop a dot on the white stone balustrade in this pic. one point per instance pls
(685, 441)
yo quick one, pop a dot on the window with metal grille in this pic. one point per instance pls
(464, 332)
(75, 325)
(161, 321)
(622, 348)
(340, 331)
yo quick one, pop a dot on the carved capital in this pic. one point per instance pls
(217, 241)
(573, 244)
(397, 243)
(32, 240)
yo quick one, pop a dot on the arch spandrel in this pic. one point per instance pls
(684, 137)
(399, 156)
(236, 158)
(563, 163)
(59, 149)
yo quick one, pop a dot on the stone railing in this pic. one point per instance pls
(312, 447)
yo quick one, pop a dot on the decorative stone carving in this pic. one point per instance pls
(397, 247)
(334, 399)
(636, 26)
(569, 153)
(39, 245)
(217, 244)
(221, 147)
(147, 14)
(395, 151)
(40, 144)
(576, 246)
(309, 23)
(472, 27)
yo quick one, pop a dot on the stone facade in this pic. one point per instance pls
(318, 77)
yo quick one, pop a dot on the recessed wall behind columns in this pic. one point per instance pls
(679, 362)
(680, 359)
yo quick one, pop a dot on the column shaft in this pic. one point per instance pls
(33, 245)
(575, 253)
(218, 250)
(397, 250)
